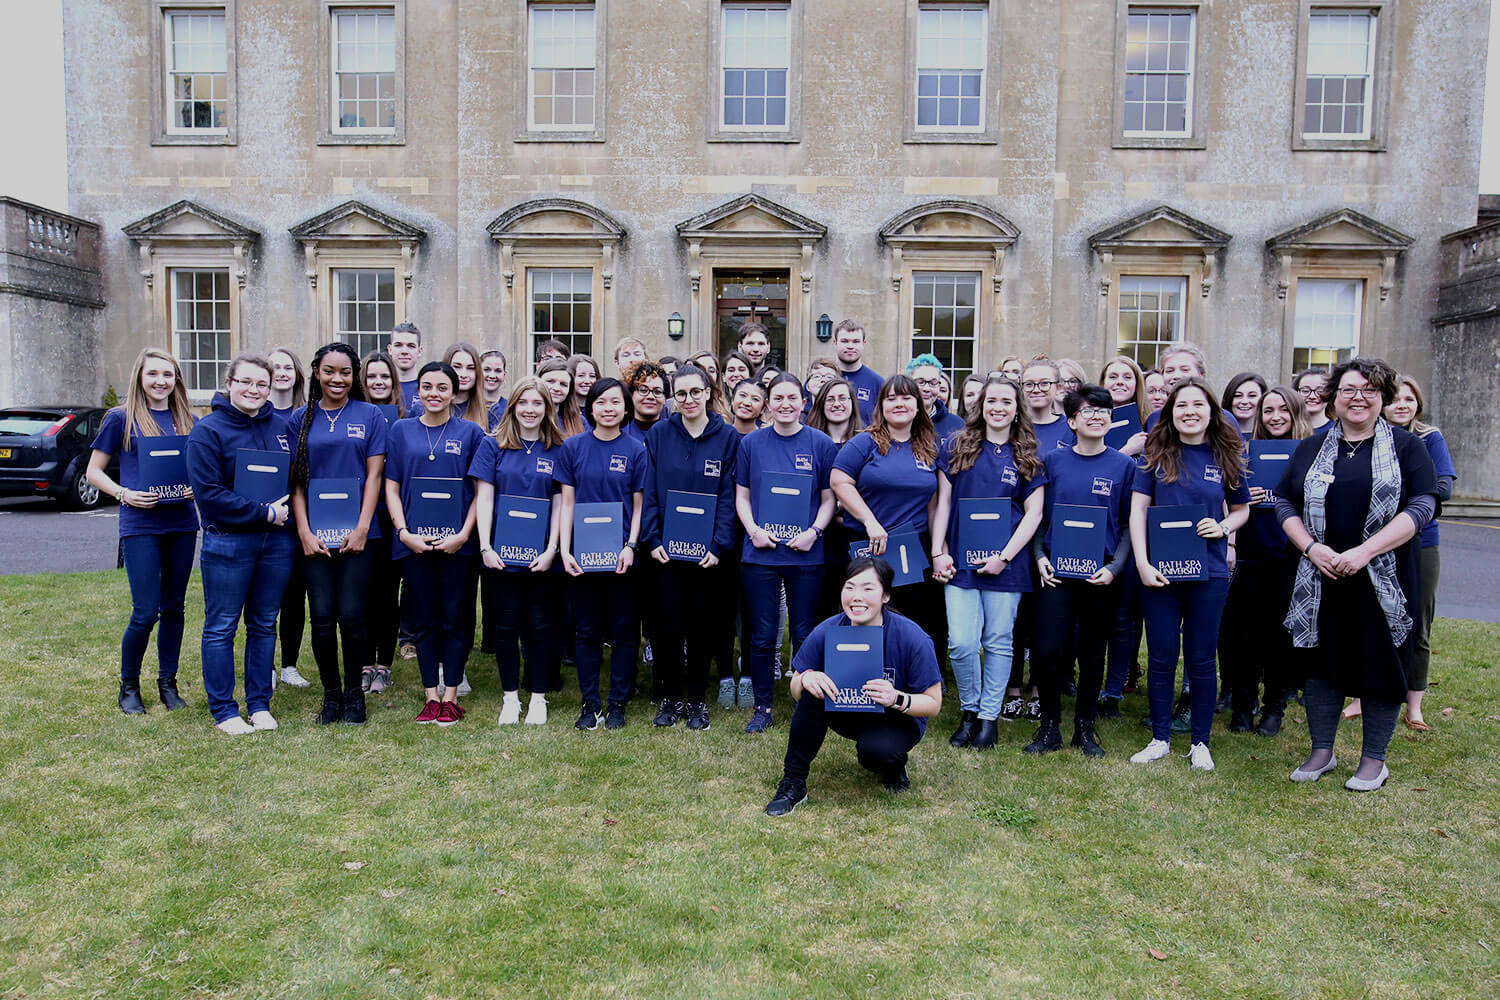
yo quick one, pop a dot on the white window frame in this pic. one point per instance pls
(1379, 60)
(1307, 290)
(975, 279)
(164, 131)
(725, 10)
(1180, 313)
(171, 16)
(357, 338)
(335, 97)
(1199, 56)
(791, 129)
(576, 274)
(330, 132)
(532, 9)
(982, 67)
(1189, 74)
(1372, 31)
(190, 363)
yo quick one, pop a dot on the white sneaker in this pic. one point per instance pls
(536, 712)
(234, 726)
(289, 676)
(510, 708)
(463, 685)
(1202, 759)
(262, 720)
(1155, 750)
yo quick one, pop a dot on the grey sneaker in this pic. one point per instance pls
(745, 696)
(726, 693)
(381, 680)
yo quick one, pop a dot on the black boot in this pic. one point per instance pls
(1086, 739)
(354, 707)
(1241, 722)
(1047, 739)
(1270, 722)
(986, 735)
(964, 734)
(167, 688)
(333, 707)
(130, 698)
(1109, 708)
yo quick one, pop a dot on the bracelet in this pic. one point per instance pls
(1310, 546)
(817, 531)
(120, 495)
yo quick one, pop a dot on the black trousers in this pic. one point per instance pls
(515, 605)
(881, 742)
(688, 596)
(336, 588)
(382, 611)
(1254, 646)
(436, 587)
(1073, 607)
(293, 618)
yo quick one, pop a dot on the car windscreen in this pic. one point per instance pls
(25, 425)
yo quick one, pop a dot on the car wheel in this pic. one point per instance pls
(81, 494)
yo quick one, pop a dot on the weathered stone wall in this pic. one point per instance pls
(1466, 357)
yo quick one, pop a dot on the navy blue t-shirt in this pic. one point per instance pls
(896, 486)
(945, 422)
(911, 663)
(517, 472)
(1200, 481)
(409, 393)
(496, 411)
(452, 448)
(866, 384)
(808, 452)
(1054, 436)
(601, 471)
(164, 517)
(339, 450)
(1101, 480)
(992, 476)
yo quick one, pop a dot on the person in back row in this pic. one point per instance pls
(849, 343)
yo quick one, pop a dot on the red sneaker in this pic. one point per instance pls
(459, 709)
(431, 712)
(448, 713)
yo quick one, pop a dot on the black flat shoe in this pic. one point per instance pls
(986, 735)
(964, 734)
(167, 688)
(130, 698)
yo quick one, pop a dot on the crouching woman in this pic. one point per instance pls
(910, 692)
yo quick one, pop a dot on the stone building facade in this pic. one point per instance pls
(1271, 179)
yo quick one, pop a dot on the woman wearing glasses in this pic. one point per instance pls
(647, 382)
(1312, 385)
(693, 452)
(1353, 502)
(1039, 393)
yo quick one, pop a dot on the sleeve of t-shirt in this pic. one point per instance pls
(921, 659)
(1238, 493)
(1030, 486)
(851, 458)
(483, 466)
(564, 471)
(395, 452)
(945, 456)
(742, 463)
(379, 436)
(1145, 481)
(111, 433)
(1437, 449)
(810, 654)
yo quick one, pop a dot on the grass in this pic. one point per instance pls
(154, 858)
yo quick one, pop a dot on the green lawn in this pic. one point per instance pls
(154, 857)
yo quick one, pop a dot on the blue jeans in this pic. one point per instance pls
(158, 568)
(244, 574)
(763, 594)
(981, 620)
(1189, 611)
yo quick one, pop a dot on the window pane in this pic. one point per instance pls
(945, 319)
(1158, 72)
(561, 305)
(1150, 314)
(950, 64)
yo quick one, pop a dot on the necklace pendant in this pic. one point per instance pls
(431, 457)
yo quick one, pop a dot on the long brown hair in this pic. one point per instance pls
(382, 358)
(1142, 400)
(475, 409)
(923, 437)
(1417, 426)
(138, 418)
(818, 420)
(970, 441)
(1293, 400)
(299, 384)
(567, 418)
(1164, 445)
(508, 431)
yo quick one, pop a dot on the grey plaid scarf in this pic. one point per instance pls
(1385, 498)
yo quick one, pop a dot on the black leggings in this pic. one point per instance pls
(1073, 606)
(336, 588)
(1254, 645)
(382, 613)
(293, 617)
(881, 742)
(689, 596)
(437, 584)
(515, 605)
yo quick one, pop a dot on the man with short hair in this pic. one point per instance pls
(1181, 361)
(552, 348)
(628, 352)
(405, 349)
(849, 343)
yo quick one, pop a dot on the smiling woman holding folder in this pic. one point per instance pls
(238, 465)
(158, 525)
(432, 509)
(1194, 465)
(518, 537)
(868, 674)
(337, 464)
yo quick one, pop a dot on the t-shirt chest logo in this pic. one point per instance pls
(453, 447)
(617, 463)
(1213, 474)
(862, 394)
(803, 463)
(281, 440)
(925, 466)
(1008, 476)
(711, 468)
(1103, 487)
(357, 431)
(544, 466)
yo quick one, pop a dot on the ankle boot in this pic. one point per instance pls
(1047, 739)
(986, 735)
(964, 734)
(130, 698)
(167, 688)
(354, 707)
(1086, 739)
(333, 708)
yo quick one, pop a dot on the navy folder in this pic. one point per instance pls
(983, 529)
(163, 466)
(389, 411)
(436, 509)
(598, 536)
(903, 550)
(852, 655)
(688, 524)
(333, 508)
(1268, 462)
(785, 507)
(520, 531)
(1124, 424)
(1077, 540)
(261, 475)
(1173, 543)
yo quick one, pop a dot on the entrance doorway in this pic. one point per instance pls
(740, 296)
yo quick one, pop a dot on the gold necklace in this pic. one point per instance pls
(333, 420)
(432, 448)
(1353, 447)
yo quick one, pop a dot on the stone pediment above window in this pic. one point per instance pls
(188, 225)
(753, 225)
(948, 227)
(557, 224)
(1162, 231)
(1344, 236)
(356, 226)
